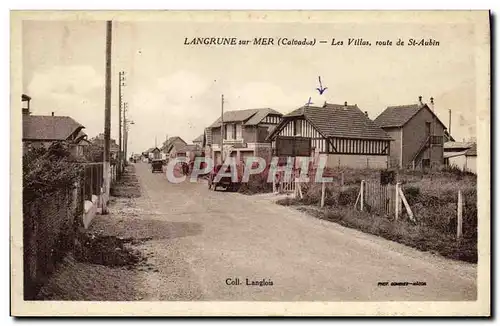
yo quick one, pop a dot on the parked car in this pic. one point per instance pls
(225, 181)
(156, 166)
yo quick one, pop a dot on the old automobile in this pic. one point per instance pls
(157, 165)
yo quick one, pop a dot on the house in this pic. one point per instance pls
(172, 145)
(155, 153)
(113, 146)
(417, 132)
(190, 151)
(343, 132)
(462, 155)
(199, 140)
(42, 131)
(244, 134)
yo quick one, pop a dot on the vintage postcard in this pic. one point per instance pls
(250, 163)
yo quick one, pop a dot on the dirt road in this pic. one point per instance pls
(206, 245)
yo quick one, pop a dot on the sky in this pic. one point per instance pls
(173, 89)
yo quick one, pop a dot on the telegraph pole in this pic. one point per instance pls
(121, 83)
(222, 130)
(125, 131)
(107, 117)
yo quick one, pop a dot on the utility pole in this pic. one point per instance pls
(107, 117)
(125, 129)
(222, 130)
(121, 83)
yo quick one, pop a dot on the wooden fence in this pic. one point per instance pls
(379, 198)
(93, 180)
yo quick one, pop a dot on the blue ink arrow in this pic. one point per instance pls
(320, 89)
(309, 102)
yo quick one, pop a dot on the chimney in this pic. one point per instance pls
(366, 113)
(432, 103)
(52, 113)
(420, 100)
(324, 105)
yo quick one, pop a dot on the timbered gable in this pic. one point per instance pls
(333, 129)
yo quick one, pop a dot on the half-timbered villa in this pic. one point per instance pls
(343, 132)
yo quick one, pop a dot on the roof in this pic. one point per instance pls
(25, 97)
(398, 116)
(171, 143)
(198, 139)
(455, 145)
(249, 116)
(187, 148)
(472, 151)
(453, 154)
(335, 120)
(49, 128)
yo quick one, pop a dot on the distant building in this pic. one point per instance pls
(199, 140)
(417, 132)
(172, 145)
(343, 132)
(113, 146)
(191, 151)
(245, 134)
(462, 155)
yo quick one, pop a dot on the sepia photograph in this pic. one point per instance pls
(250, 163)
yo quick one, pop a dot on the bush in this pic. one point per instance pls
(348, 196)
(257, 183)
(46, 171)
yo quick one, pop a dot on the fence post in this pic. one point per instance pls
(322, 194)
(274, 183)
(362, 193)
(396, 199)
(459, 215)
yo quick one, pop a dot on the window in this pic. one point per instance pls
(427, 128)
(225, 131)
(298, 127)
(238, 132)
(234, 131)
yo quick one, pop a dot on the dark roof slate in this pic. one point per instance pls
(49, 128)
(335, 120)
(398, 116)
(248, 116)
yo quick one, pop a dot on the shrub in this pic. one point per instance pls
(348, 196)
(48, 170)
(257, 183)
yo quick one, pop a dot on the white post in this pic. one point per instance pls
(407, 206)
(396, 199)
(362, 195)
(106, 186)
(322, 194)
(459, 215)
